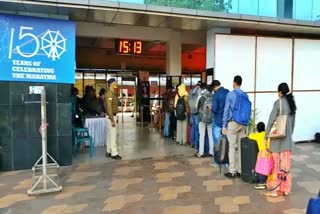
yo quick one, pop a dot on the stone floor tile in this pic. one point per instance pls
(294, 211)
(126, 170)
(64, 209)
(25, 184)
(231, 204)
(241, 200)
(310, 186)
(275, 199)
(194, 209)
(120, 184)
(315, 167)
(216, 185)
(124, 162)
(11, 173)
(72, 190)
(10, 200)
(80, 176)
(164, 165)
(299, 158)
(118, 202)
(205, 171)
(198, 161)
(171, 192)
(316, 153)
(226, 205)
(168, 176)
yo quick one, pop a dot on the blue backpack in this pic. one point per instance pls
(242, 109)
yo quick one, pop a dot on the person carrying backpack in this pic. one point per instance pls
(194, 115)
(182, 111)
(205, 121)
(236, 117)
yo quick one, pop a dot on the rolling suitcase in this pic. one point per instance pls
(249, 153)
(221, 151)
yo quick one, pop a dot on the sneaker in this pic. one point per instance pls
(108, 154)
(199, 156)
(230, 175)
(238, 175)
(260, 186)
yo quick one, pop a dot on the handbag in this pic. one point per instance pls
(278, 129)
(264, 165)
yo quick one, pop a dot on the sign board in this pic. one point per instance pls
(35, 89)
(37, 49)
(125, 74)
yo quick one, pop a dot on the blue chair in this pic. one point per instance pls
(81, 135)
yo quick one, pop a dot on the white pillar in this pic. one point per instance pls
(173, 58)
(210, 44)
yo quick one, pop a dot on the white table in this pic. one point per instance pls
(97, 127)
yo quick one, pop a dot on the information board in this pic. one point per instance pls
(36, 49)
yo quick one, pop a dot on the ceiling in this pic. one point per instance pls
(114, 12)
(100, 53)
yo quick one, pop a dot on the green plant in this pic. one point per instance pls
(252, 122)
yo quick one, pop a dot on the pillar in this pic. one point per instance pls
(173, 57)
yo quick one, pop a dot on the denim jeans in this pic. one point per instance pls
(216, 133)
(262, 179)
(194, 130)
(166, 125)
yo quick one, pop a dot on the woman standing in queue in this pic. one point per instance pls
(279, 182)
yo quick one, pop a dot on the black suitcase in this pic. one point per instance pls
(249, 153)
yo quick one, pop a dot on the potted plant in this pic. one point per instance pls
(252, 122)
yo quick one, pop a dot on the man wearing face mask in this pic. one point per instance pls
(112, 110)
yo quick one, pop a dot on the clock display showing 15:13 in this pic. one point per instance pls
(124, 46)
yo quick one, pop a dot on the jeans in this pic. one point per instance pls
(173, 125)
(262, 179)
(166, 124)
(203, 128)
(216, 133)
(194, 118)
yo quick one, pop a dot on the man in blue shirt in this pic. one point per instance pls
(233, 130)
(218, 103)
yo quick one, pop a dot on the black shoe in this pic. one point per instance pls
(117, 157)
(238, 175)
(230, 175)
(108, 154)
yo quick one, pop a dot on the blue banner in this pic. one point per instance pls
(37, 49)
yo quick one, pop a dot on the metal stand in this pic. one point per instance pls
(44, 182)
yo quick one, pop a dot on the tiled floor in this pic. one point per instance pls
(163, 184)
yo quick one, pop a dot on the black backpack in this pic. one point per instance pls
(181, 108)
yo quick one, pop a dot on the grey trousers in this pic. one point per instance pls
(235, 133)
(182, 127)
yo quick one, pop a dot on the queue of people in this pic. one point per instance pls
(219, 112)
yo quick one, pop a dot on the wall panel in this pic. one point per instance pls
(235, 55)
(274, 63)
(306, 64)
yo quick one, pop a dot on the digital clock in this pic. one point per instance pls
(125, 46)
